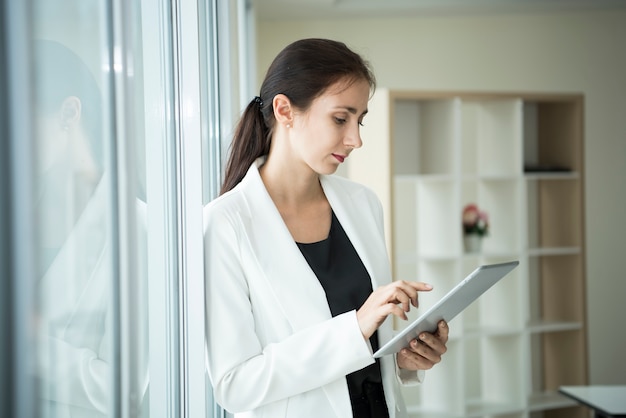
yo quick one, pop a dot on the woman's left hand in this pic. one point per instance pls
(425, 352)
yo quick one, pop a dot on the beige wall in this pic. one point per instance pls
(554, 52)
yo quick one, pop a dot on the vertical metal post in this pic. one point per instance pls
(162, 246)
(6, 285)
(189, 186)
(22, 277)
(126, 382)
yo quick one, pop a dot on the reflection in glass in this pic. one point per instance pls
(77, 345)
(73, 206)
(78, 296)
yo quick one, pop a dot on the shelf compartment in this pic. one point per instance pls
(556, 294)
(497, 354)
(485, 393)
(491, 132)
(552, 208)
(425, 136)
(502, 201)
(553, 134)
(563, 296)
(438, 219)
(444, 394)
(554, 365)
(554, 362)
(405, 218)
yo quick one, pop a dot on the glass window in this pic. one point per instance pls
(76, 210)
(122, 116)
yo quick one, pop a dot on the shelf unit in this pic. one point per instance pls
(520, 157)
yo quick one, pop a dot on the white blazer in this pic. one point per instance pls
(75, 359)
(273, 347)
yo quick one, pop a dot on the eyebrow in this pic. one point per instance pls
(352, 110)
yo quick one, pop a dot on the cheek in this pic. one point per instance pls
(47, 129)
(319, 137)
(50, 140)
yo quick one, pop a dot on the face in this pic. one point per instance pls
(52, 141)
(325, 135)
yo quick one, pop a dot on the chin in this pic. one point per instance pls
(328, 170)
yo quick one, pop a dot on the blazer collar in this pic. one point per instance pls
(295, 285)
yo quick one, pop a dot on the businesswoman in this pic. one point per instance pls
(298, 282)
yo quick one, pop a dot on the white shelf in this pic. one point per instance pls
(426, 178)
(555, 175)
(544, 326)
(548, 400)
(485, 331)
(476, 408)
(554, 251)
(527, 333)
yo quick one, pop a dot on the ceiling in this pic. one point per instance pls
(332, 9)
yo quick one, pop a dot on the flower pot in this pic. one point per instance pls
(472, 243)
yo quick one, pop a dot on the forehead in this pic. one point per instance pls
(353, 93)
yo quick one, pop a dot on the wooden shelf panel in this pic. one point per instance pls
(553, 326)
(552, 176)
(553, 251)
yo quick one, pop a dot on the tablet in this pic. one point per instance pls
(457, 299)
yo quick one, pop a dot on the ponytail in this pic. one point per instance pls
(251, 141)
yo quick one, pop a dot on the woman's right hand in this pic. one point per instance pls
(395, 298)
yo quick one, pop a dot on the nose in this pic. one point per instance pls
(353, 137)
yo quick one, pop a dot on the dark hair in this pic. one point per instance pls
(302, 71)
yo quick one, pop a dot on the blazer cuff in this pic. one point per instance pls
(408, 377)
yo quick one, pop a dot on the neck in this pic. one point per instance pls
(289, 186)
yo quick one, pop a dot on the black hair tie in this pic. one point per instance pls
(258, 100)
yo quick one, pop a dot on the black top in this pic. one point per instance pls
(347, 284)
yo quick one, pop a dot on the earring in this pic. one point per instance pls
(288, 125)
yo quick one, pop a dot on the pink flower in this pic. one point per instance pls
(475, 221)
(470, 214)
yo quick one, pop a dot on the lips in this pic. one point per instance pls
(339, 158)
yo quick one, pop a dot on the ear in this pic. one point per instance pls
(283, 111)
(70, 112)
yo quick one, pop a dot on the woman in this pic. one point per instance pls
(298, 282)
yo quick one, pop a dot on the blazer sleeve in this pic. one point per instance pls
(246, 373)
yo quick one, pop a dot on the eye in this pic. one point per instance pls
(340, 121)
(361, 123)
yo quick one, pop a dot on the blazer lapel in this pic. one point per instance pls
(295, 285)
(361, 228)
(366, 235)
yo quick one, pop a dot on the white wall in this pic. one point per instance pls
(581, 52)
